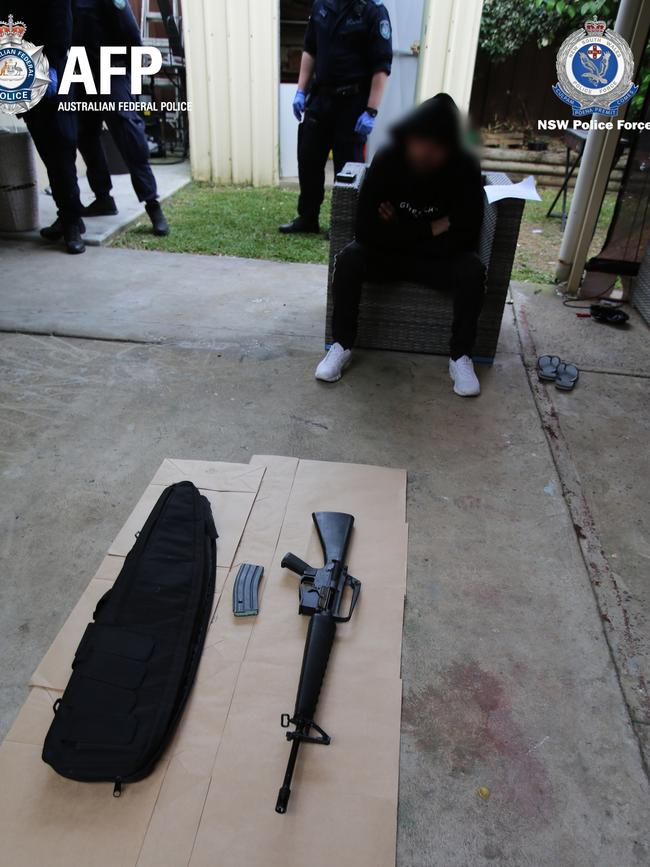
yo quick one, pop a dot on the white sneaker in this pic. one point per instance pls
(332, 366)
(466, 383)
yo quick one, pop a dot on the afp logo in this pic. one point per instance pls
(24, 70)
(595, 68)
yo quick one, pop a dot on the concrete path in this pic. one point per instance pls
(169, 178)
(201, 301)
(509, 680)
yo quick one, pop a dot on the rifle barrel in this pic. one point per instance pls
(285, 791)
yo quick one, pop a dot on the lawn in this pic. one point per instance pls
(540, 238)
(231, 221)
(242, 221)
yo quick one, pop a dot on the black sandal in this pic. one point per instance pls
(609, 315)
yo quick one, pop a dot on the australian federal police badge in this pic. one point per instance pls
(595, 68)
(24, 70)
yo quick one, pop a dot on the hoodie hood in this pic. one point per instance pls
(437, 119)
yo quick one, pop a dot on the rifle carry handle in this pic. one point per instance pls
(355, 585)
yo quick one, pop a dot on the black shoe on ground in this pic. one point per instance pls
(301, 226)
(158, 221)
(72, 238)
(103, 206)
(55, 231)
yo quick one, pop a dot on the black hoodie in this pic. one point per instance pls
(455, 191)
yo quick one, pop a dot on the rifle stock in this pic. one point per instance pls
(334, 531)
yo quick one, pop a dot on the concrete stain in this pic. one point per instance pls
(467, 722)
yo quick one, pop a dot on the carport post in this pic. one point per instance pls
(632, 22)
(450, 34)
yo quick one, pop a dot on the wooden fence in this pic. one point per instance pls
(518, 90)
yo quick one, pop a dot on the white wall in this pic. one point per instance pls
(449, 46)
(407, 20)
(232, 49)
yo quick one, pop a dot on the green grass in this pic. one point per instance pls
(242, 221)
(231, 221)
(540, 238)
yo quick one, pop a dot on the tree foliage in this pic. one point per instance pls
(508, 24)
(576, 13)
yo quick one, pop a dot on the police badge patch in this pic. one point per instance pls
(24, 70)
(595, 68)
(384, 29)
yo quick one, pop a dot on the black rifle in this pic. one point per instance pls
(321, 597)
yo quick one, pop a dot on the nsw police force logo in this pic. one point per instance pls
(24, 70)
(595, 68)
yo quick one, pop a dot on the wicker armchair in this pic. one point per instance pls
(412, 318)
(18, 183)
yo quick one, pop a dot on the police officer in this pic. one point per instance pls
(345, 64)
(100, 23)
(49, 23)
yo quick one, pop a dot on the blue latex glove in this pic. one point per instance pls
(299, 104)
(54, 84)
(365, 124)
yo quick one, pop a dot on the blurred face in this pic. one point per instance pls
(425, 155)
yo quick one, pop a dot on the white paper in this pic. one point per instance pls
(525, 189)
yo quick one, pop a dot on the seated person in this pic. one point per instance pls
(419, 219)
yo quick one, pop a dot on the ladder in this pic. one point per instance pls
(168, 15)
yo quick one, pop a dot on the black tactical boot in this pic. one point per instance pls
(158, 221)
(72, 237)
(55, 231)
(103, 206)
(301, 226)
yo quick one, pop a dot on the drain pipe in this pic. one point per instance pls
(632, 22)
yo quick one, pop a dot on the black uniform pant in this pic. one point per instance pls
(54, 134)
(463, 275)
(328, 125)
(127, 129)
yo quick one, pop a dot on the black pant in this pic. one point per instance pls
(328, 125)
(464, 275)
(54, 134)
(127, 129)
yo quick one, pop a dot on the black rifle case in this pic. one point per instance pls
(134, 668)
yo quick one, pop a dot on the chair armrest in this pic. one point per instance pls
(499, 235)
(355, 170)
(345, 200)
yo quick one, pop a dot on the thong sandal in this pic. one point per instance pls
(567, 376)
(609, 315)
(547, 367)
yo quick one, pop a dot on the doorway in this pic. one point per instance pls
(406, 16)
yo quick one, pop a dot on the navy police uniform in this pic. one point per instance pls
(351, 42)
(49, 23)
(110, 23)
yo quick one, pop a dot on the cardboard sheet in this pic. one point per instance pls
(211, 799)
(172, 831)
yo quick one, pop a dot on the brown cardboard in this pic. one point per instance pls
(353, 782)
(172, 830)
(343, 808)
(211, 798)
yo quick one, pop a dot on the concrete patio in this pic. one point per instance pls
(170, 177)
(527, 644)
